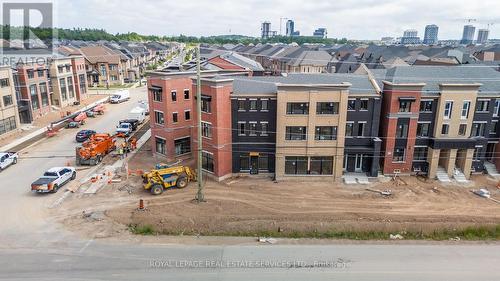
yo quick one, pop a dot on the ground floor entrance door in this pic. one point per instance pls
(359, 163)
(254, 165)
(490, 152)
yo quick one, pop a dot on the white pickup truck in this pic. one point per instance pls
(7, 159)
(53, 179)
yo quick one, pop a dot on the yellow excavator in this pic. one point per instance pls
(166, 176)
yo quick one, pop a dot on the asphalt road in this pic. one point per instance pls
(32, 247)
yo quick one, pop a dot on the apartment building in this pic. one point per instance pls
(80, 77)
(34, 95)
(9, 115)
(446, 125)
(63, 86)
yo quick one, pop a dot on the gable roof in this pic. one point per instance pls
(95, 54)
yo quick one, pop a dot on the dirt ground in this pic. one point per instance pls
(248, 204)
(46, 119)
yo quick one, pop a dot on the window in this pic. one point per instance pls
(399, 154)
(326, 133)
(157, 95)
(445, 129)
(186, 94)
(465, 110)
(263, 128)
(207, 161)
(477, 154)
(482, 105)
(174, 95)
(252, 128)
(160, 145)
(31, 74)
(34, 97)
(112, 67)
(264, 105)
(242, 128)
(404, 106)
(423, 129)
(361, 129)
(159, 119)
(83, 85)
(478, 129)
(264, 162)
(448, 107)
(206, 105)
(462, 129)
(402, 130)
(420, 154)
(60, 69)
(327, 108)
(351, 104)
(187, 115)
(7, 125)
(296, 165)
(7, 100)
(253, 105)
(242, 105)
(244, 162)
(322, 165)
(62, 84)
(493, 128)
(182, 146)
(496, 109)
(175, 117)
(103, 70)
(295, 133)
(114, 78)
(4, 82)
(206, 130)
(426, 106)
(44, 94)
(40, 72)
(297, 108)
(363, 104)
(70, 87)
(349, 129)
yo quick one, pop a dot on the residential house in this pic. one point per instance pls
(104, 66)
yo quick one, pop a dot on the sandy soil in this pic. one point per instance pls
(248, 204)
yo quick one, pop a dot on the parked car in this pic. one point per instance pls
(7, 159)
(137, 113)
(53, 179)
(124, 128)
(120, 96)
(84, 135)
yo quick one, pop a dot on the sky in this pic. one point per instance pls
(361, 19)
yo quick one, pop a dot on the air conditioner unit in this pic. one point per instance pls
(397, 171)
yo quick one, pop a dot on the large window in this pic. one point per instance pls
(242, 130)
(182, 146)
(478, 129)
(206, 129)
(160, 145)
(297, 108)
(242, 105)
(44, 94)
(7, 100)
(157, 95)
(252, 128)
(326, 133)
(244, 162)
(426, 106)
(31, 74)
(4, 82)
(361, 129)
(34, 97)
(295, 133)
(264, 128)
(206, 105)
(70, 88)
(351, 104)
(398, 155)
(420, 154)
(482, 105)
(253, 105)
(404, 106)
(207, 161)
(40, 72)
(363, 105)
(7, 125)
(402, 130)
(465, 110)
(349, 127)
(159, 118)
(322, 165)
(327, 108)
(62, 84)
(296, 165)
(423, 129)
(83, 85)
(448, 108)
(264, 105)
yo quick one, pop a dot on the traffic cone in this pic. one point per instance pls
(141, 204)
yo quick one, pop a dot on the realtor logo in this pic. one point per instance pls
(17, 19)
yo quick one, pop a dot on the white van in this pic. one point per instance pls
(137, 113)
(120, 96)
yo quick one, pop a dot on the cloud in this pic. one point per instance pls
(361, 19)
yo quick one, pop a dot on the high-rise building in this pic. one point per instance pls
(410, 36)
(468, 35)
(265, 30)
(320, 32)
(482, 36)
(431, 34)
(290, 27)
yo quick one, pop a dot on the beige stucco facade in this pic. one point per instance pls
(63, 84)
(310, 147)
(9, 116)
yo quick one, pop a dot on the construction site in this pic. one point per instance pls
(255, 206)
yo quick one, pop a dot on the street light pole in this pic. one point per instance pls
(199, 196)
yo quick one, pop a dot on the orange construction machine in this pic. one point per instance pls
(95, 148)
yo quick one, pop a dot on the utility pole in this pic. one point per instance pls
(199, 196)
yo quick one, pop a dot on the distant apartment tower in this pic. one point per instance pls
(320, 32)
(410, 36)
(482, 36)
(290, 28)
(468, 35)
(266, 30)
(431, 34)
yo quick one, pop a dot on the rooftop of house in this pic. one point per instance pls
(95, 54)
